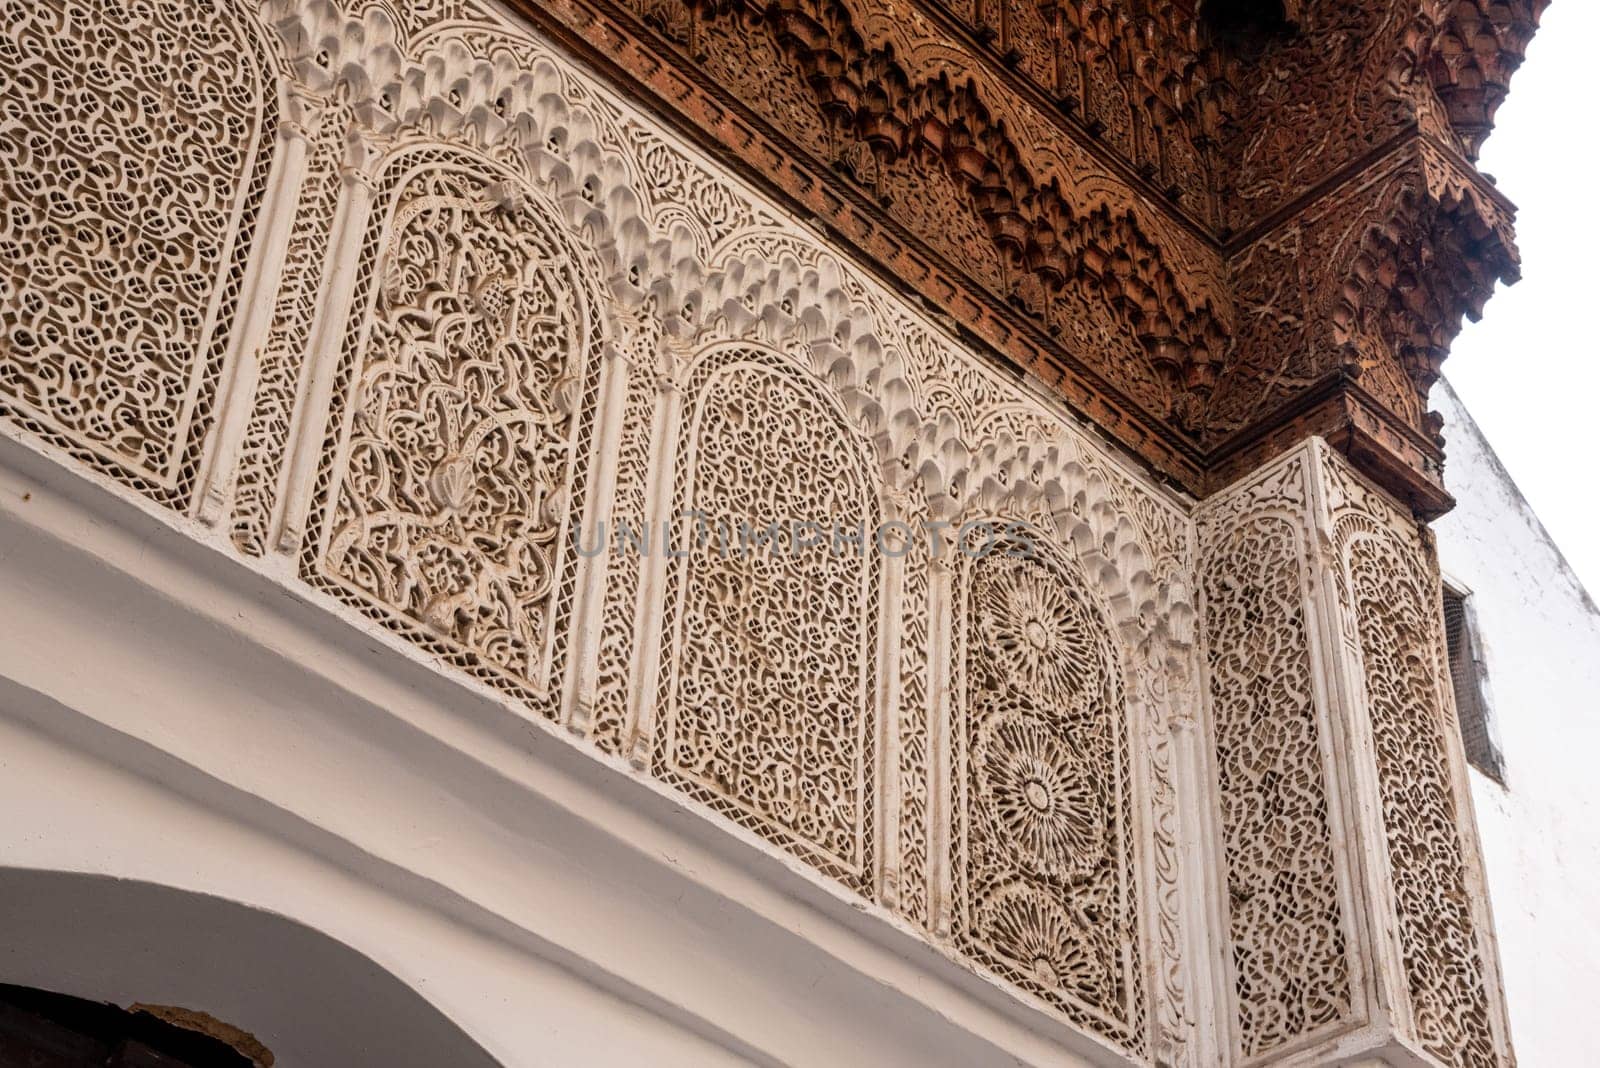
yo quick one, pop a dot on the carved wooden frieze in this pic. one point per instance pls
(1117, 196)
(1124, 162)
(1407, 249)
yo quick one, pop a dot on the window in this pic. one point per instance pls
(1466, 676)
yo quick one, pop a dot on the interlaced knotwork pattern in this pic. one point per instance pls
(1286, 924)
(137, 148)
(1396, 603)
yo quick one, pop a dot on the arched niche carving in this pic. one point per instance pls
(140, 145)
(767, 696)
(1044, 846)
(1289, 921)
(463, 411)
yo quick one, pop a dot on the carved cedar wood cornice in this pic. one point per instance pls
(930, 150)
(1477, 45)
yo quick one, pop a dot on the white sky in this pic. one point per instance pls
(1530, 371)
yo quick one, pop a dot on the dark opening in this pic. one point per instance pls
(1244, 18)
(38, 1028)
(1466, 678)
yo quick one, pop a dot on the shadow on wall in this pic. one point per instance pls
(311, 1000)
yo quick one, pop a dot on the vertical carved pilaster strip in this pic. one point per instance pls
(264, 444)
(1204, 905)
(588, 610)
(323, 345)
(257, 301)
(648, 612)
(628, 516)
(941, 701)
(1425, 871)
(916, 744)
(1144, 718)
(893, 548)
(1151, 713)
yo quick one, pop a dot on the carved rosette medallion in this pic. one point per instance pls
(1043, 795)
(1044, 859)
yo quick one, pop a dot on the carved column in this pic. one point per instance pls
(578, 703)
(645, 669)
(362, 155)
(302, 112)
(1357, 920)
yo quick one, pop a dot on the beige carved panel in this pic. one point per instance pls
(1389, 586)
(456, 457)
(756, 689)
(1289, 949)
(1355, 896)
(138, 140)
(508, 301)
(768, 699)
(1045, 879)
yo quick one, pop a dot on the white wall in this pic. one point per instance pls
(1540, 638)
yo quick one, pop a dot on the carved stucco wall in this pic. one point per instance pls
(139, 145)
(383, 299)
(1358, 915)
(1291, 943)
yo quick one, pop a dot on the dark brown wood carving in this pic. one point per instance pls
(1213, 227)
